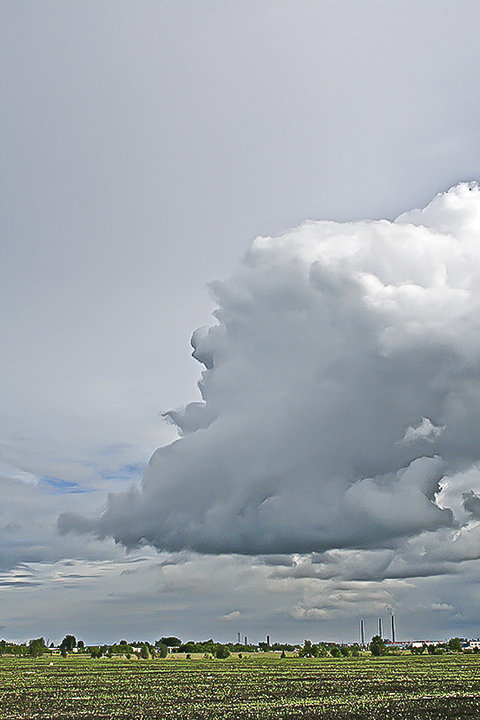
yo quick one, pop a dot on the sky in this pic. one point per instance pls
(305, 172)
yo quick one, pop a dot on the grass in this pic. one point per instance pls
(397, 688)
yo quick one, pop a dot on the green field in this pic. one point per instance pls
(401, 688)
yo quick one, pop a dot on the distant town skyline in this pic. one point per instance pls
(262, 161)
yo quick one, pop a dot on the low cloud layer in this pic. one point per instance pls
(340, 397)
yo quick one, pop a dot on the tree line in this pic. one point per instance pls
(210, 648)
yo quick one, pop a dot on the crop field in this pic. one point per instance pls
(397, 688)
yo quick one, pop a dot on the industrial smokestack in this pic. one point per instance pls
(380, 631)
(238, 638)
(268, 639)
(362, 632)
(393, 628)
(246, 640)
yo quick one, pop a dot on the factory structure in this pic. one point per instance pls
(393, 643)
(392, 640)
(387, 631)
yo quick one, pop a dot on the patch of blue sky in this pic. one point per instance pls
(134, 468)
(125, 472)
(58, 486)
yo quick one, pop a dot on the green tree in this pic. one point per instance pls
(169, 641)
(68, 643)
(36, 647)
(188, 647)
(308, 649)
(417, 650)
(162, 650)
(455, 644)
(145, 653)
(377, 646)
(222, 652)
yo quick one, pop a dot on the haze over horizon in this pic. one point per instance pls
(260, 161)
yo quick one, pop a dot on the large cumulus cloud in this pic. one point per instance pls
(340, 395)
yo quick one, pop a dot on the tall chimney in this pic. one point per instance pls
(393, 628)
(362, 631)
(238, 638)
(380, 627)
(246, 640)
(268, 639)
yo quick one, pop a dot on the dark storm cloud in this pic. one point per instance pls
(471, 503)
(340, 390)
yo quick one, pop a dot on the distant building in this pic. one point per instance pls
(471, 645)
(405, 644)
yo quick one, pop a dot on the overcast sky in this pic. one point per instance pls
(155, 157)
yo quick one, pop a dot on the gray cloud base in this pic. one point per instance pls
(333, 343)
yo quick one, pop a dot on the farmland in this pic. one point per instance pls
(397, 688)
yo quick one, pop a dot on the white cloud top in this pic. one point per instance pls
(425, 431)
